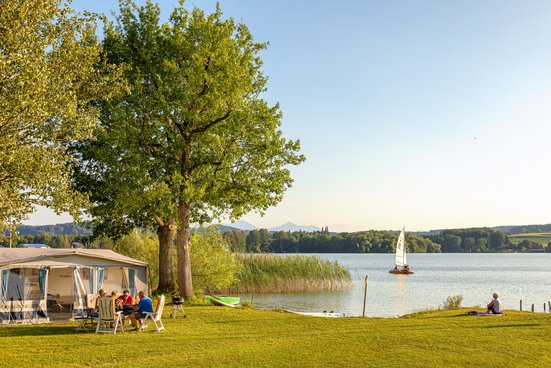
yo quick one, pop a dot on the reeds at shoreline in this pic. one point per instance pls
(268, 273)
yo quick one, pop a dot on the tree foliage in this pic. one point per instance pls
(193, 140)
(49, 79)
(214, 265)
(471, 240)
(141, 245)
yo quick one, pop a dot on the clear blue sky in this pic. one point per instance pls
(428, 114)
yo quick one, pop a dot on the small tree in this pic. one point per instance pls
(214, 265)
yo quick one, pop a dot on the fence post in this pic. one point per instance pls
(365, 295)
(521, 305)
(532, 307)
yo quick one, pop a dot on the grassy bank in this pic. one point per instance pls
(542, 238)
(225, 337)
(268, 273)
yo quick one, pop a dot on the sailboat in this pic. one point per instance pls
(402, 267)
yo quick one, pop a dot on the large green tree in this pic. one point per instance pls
(193, 140)
(49, 78)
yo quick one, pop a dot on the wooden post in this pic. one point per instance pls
(532, 307)
(544, 307)
(521, 305)
(549, 304)
(365, 295)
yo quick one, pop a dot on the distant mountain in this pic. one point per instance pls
(219, 227)
(289, 226)
(57, 229)
(241, 225)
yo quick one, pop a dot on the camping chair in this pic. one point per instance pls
(87, 321)
(155, 317)
(108, 316)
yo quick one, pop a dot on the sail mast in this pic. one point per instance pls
(404, 242)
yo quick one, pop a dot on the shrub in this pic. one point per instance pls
(453, 302)
(144, 246)
(213, 264)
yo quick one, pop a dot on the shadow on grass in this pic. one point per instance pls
(42, 330)
(516, 325)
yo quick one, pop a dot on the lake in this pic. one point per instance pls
(513, 276)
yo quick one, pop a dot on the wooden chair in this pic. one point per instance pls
(108, 316)
(156, 316)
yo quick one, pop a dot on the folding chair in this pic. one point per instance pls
(108, 316)
(155, 317)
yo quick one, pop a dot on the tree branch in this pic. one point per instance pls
(212, 123)
(159, 221)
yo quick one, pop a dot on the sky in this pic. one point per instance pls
(423, 114)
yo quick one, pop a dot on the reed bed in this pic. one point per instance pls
(268, 273)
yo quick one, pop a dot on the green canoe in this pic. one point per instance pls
(227, 301)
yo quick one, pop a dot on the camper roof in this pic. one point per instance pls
(21, 255)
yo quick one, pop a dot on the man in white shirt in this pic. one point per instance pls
(495, 305)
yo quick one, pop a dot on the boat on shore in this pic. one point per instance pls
(318, 314)
(226, 301)
(401, 267)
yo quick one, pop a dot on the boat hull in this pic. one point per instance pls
(320, 314)
(401, 272)
(223, 300)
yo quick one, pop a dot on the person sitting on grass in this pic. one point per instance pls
(144, 305)
(495, 305)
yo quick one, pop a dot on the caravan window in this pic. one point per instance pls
(23, 284)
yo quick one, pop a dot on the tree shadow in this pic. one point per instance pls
(42, 330)
(515, 325)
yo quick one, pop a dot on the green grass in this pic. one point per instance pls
(542, 238)
(225, 337)
(269, 273)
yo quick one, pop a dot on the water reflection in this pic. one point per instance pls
(401, 293)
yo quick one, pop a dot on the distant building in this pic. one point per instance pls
(32, 246)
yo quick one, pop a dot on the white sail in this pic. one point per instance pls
(401, 259)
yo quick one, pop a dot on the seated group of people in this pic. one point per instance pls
(124, 303)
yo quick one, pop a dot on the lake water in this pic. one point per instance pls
(513, 276)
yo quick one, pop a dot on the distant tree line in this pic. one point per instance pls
(62, 241)
(262, 241)
(479, 240)
(476, 240)
(523, 229)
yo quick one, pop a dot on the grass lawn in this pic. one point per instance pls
(225, 337)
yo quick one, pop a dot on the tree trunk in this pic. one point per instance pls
(165, 233)
(183, 246)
